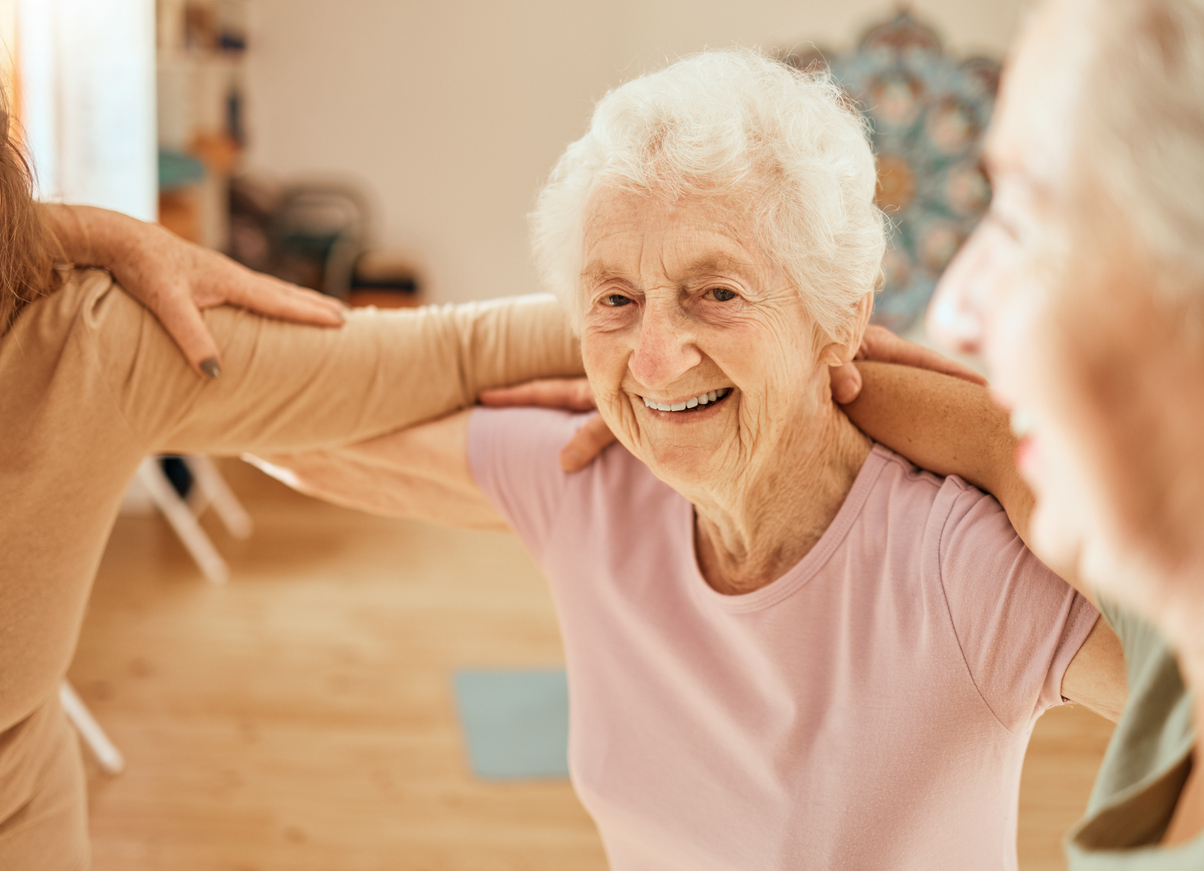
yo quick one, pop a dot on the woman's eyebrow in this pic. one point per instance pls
(597, 272)
(717, 264)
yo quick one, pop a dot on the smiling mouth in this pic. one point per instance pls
(694, 403)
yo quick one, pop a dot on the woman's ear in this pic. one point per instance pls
(845, 348)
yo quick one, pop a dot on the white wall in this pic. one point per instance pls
(450, 113)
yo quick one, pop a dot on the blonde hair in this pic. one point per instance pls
(29, 249)
(746, 128)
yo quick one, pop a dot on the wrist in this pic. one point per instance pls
(91, 236)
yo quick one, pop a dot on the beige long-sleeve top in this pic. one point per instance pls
(90, 384)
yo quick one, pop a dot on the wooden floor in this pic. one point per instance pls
(302, 717)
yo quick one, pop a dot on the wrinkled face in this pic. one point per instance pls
(703, 360)
(1075, 346)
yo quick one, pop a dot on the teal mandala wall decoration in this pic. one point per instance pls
(928, 111)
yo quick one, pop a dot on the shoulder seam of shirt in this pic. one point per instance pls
(919, 473)
(940, 573)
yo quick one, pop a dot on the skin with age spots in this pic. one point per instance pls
(679, 301)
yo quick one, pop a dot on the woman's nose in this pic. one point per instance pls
(955, 315)
(665, 348)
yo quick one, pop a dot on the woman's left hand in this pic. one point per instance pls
(177, 279)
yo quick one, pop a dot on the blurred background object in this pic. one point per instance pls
(309, 230)
(318, 234)
(449, 115)
(199, 73)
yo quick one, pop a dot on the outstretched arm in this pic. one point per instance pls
(287, 387)
(420, 473)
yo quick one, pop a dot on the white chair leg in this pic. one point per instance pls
(215, 489)
(183, 521)
(98, 742)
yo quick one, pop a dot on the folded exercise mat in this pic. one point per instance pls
(516, 723)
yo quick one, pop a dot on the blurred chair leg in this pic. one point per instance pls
(98, 742)
(183, 521)
(219, 495)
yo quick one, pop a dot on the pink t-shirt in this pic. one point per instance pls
(868, 710)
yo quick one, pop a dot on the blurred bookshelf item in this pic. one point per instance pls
(318, 234)
(201, 46)
(314, 233)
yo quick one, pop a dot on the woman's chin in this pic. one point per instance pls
(685, 466)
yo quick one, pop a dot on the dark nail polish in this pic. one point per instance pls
(211, 367)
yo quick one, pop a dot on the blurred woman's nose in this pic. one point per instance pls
(955, 315)
(665, 348)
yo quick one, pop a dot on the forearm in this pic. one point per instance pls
(946, 425)
(509, 341)
(291, 388)
(421, 473)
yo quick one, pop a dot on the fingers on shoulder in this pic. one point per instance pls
(586, 445)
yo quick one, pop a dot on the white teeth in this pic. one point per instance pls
(694, 402)
(1022, 422)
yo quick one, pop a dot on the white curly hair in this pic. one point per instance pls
(735, 124)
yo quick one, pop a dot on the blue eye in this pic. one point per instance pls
(722, 294)
(617, 299)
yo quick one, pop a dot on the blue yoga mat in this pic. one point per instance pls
(516, 723)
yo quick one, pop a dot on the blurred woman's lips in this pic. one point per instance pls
(1026, 457)
(1022, 427)
(702, 400)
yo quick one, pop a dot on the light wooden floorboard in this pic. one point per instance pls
(301, 718)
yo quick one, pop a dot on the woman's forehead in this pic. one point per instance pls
(696, 234)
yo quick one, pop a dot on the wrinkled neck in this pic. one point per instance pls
(749, 535)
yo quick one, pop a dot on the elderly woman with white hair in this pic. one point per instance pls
(787, 647)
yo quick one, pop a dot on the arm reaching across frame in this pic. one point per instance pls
(419, 473)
